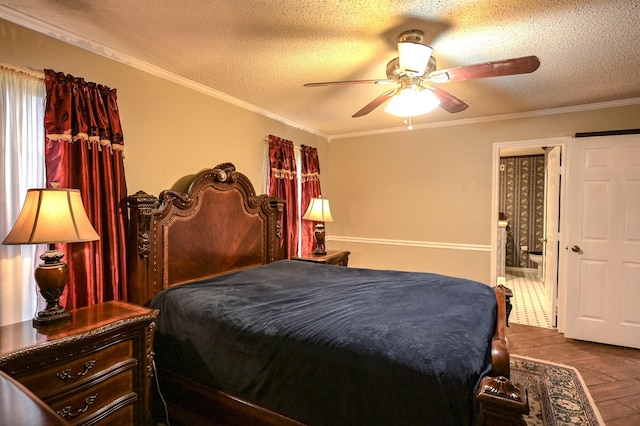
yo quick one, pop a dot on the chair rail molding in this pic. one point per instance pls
(411, 243)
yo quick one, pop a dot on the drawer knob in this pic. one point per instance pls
(68, 413)
(67, 375)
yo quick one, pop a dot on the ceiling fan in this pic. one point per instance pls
(414, 73)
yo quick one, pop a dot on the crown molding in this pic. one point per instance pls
(499, 117)
(86, 44)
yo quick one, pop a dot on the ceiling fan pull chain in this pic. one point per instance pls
(408, 123)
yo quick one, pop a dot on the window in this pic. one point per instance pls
(22, 97)
(287, 161)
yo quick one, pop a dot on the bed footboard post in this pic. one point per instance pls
(140, 206)
(502, 402)
(499, 344)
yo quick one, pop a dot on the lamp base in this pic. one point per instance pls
(319, 235)
(51, 316)
(319, 251)
(51, 276)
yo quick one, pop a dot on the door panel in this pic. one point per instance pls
(593, 276)
(631, 211)
(595, 210)
(631, 294)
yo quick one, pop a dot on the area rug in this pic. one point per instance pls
(557, 393)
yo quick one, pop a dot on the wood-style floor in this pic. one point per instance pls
(611, 373)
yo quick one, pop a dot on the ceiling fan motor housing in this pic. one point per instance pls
(411, 36)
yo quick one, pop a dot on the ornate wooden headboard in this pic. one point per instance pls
(218, 225)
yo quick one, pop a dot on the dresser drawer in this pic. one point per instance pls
(123, 416)
(57, 377)
(100, 400)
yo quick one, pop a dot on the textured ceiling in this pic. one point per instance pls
(262, 52)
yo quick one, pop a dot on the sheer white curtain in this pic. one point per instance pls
(22, 98)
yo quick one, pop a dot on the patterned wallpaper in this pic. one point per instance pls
(522, 203)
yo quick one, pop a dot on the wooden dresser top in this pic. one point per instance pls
(90, 320)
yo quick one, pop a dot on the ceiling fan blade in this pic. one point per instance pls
(375, 103)
(345, 82)
(448, 102)
(523, 65)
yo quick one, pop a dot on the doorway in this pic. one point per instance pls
(545, 239)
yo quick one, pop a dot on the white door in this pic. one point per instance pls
(552, 232)
(603, 258)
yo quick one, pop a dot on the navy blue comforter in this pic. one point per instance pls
(329, 345)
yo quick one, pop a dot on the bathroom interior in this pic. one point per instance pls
(522, 205)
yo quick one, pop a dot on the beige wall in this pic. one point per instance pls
(412, 200)
(170, 130)
(397, 198)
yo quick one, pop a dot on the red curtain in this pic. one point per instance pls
(310, 188)
(84, 150)
(283, 184)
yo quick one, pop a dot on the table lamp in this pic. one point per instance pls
(319, 212)
(51, 216)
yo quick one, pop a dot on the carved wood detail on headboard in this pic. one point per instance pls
(218, 225)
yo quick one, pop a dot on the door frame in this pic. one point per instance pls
(553, 234)
(495, 194)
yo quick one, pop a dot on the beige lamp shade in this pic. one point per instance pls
(318, 211)
(52, 216)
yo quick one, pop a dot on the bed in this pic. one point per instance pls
(245, 336)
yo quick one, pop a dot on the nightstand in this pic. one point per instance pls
(94, 369)
(331, 258)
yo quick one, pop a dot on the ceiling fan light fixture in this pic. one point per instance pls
(412, 101)
(414, 58)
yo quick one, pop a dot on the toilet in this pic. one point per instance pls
(536, 257)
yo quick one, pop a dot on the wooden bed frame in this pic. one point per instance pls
(219, 225)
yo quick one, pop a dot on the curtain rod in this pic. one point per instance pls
(29, 73)
(295, 145)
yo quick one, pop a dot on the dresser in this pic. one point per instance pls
(330, 258)
(94, 369)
